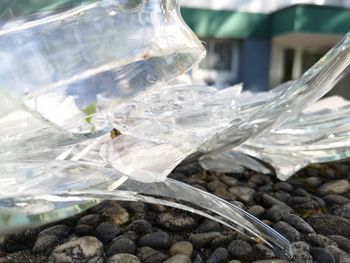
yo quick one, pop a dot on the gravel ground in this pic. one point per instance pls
(312, 210)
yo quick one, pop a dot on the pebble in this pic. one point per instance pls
(269, 201)
(228, 180)
(335, 187)
(216, 184)
(83, 230)
(91, 220)
(114, 213)
(300, 245)
(179, 259)
(287, 231)
(157, 240)
(322, 255)
(330, 225)
(239, 249)
(24, 257)
(343, 211)
(278, 212)
(149, 255)
(106, 231)
(182, 247)
(302, 256)
(84, 249)
(140, 226)
(319, 240)
(283, 186)
(202, 239)
(208, 225)
(218, 255)
(313, 181)
(123, 258)
(263, 252)
(257, 211)
(121, 245)
(337, 200)
(244, 194)
(176, 221)
(298, 223)
(342, 242)
(339, 255)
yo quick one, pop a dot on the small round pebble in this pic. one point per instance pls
(84, 249)
(322, 255)
(123, 258)
(278, 212)
(176, 221)
(342, 242)
(182, 247)
(202, 239)
(140, 226)
(298, 223)
(106, 231)
(239, 249)
(121, 245)
(257, 211)
(287, 231)
(330, 225)
(335, 187)
(319, 240)
(149, 255)
(157, 240)
(218, 255)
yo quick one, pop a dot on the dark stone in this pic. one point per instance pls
(91, 220)
(283, 186)
(149, 255)
(219, 255)
(282, 196)
(208, 225)
(257, 211)
(287, 231)
(322, 255)
(121, 245)
(140, 226)
(189, 168)
(339, 255)
(123, 258)
(84, 249)
(330, 225)
(319, 240)
(239, 249)
(278, 212)
(302, 256)
(214, 185)
(157, 240)
(106, 231)
(202, 239)
(342, 242)
(244, 194)
(112, 211)
(228, 180)
(176, 221)
(263, 252)
(300, 245)
(343, 211)
(298, 223)
(83, 230)
(336, 200)
(58, 230)
(269, 201)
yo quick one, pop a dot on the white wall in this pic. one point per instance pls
(257, 6)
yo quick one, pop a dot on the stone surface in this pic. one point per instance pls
(176, 221)
(298, 223)
(239, 249)
(287, 231)
(218, 255)
(179, 259)
(149, 255)
(106, 231)
(157, 240)
(123, 258)
(84, 249)
(202, 239)
(322, 255)
(335, 187)
(121, 246)
(330, 225)
(182, 247)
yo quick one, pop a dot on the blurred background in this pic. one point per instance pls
(264, 43)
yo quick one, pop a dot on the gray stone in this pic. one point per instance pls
(83, 230)
(298, 223)
(23, 257)
(84, 250)
(91, 220)
(113, 212)
(269, 201)
(257, 211)
(302, 256)
(106, 231)
(319, 240)
(330, 225)
(278, 212)
(336, 200)
(121, 246)
(322, 255)
(57, 230)
(228, 180)
(283, 186)
(45, 244)
(335, 187)
(140, 226)
(300, 245)
(239, 249)
(208, 225)
(343, 211)
(339, 255)
(182, 247)
(157, 240)
(123, 258)
(202, 239)
(218, 255)
(342, 242)
(176, 221)
(178, 259)
(149, 255)
(244, 194)
(263, 252)
(287, 231)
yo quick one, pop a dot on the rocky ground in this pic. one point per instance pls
(312, 210)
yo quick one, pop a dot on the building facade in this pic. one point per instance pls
(264, 43)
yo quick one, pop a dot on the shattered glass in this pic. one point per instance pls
(88, 114)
